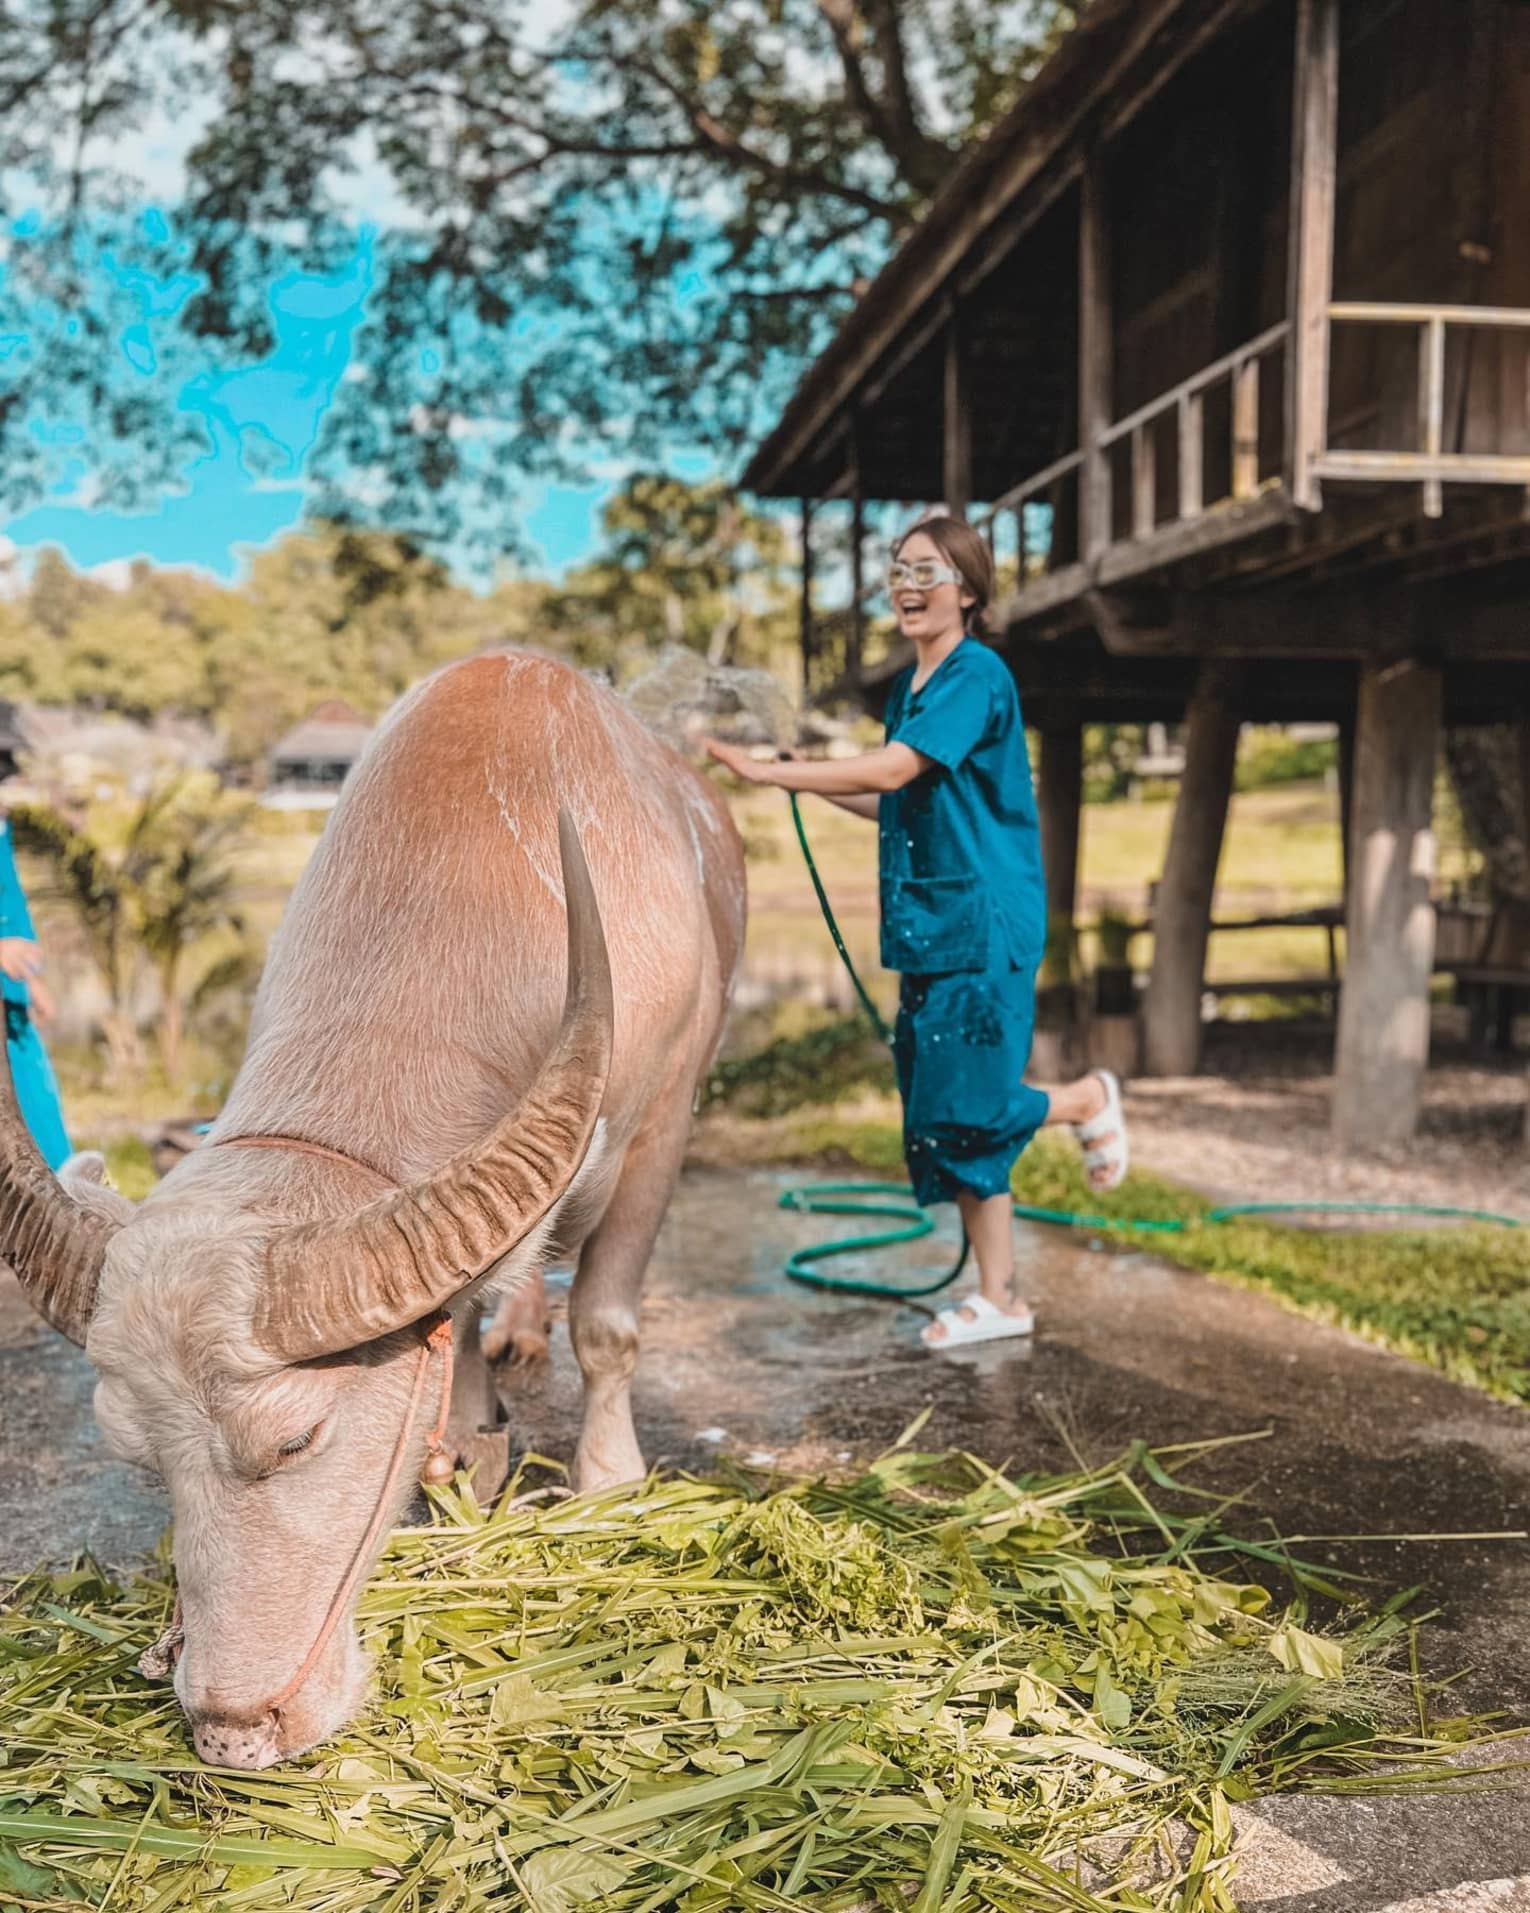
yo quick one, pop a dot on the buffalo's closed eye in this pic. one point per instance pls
(298, 1443)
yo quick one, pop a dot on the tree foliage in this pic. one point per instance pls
(679, 564)
(361, 617)
(305, 625)
(627, 230)
(155, 881)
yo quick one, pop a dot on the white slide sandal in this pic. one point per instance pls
(1113, 1156)
(976, 1319)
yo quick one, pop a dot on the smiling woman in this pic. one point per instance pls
(963, 915)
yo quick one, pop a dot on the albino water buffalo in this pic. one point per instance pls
(412, 1132)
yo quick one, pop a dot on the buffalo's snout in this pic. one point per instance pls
(247, 1743)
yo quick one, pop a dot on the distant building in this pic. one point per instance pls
(67, 748)
(311, 762)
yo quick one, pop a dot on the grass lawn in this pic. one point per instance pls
(1281, 853)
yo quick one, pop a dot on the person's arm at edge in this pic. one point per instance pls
(865, 805)
(868, 774)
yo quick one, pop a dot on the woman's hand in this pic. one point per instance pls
(738, 760)
(20, 959)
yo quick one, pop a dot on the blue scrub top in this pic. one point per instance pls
(960, 847)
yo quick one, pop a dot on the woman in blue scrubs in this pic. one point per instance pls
(23, 992)
(963, 916)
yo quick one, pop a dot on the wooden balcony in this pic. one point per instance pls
(1159, 500)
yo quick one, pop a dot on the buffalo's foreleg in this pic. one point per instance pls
(608, 1287)
(521, 1324)
(476, 1436)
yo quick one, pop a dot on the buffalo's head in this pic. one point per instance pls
(276, 1377)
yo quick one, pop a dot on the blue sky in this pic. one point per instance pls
(262, 419)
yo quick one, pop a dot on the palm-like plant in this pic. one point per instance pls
(156, 890)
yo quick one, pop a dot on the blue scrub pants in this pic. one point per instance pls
(961, 1044)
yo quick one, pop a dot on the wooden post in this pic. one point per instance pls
(1144, 481)
(956, 449)
(1245, 429)
(1171, 1024)
(1431, 409)
(1314, 176)
(1346, 799)
(1060, 791)
(805, 609)
(1096, 356)
(1192, 449)
(1383, 1040)
(857, 585)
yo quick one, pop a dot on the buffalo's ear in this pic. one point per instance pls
(83, 1176)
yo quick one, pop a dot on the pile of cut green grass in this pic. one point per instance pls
(1457, 1298)
(931, 1687)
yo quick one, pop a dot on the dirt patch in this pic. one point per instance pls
(1254, 1126)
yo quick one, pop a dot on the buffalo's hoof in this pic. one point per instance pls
(518, 1345)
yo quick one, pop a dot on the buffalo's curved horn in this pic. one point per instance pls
(54, 1244)
(334, 1285)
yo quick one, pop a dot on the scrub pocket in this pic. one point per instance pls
(933, 926)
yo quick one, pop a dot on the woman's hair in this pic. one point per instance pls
(967, 551)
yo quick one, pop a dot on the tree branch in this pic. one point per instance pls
(737, 152)
(923, 160)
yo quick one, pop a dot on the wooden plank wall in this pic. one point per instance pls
(1434, 203)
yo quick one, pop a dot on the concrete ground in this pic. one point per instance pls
(1360, 1443)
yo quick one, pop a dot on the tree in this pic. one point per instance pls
(181, 863)
(680, 564)
(158, 887)
(86, 876)
(323, 614)
(630, 232)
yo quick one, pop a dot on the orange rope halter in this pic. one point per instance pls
(159, 1661)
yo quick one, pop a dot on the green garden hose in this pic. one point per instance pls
(894, 1201)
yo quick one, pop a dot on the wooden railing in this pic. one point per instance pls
(1039, 489)
(1241, 371)
(1430, 464)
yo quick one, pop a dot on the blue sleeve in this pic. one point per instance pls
(15, 918)
(952, 716)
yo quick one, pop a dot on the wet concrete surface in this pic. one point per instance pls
(735, 1358)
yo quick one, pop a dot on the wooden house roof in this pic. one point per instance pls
(1102, 73)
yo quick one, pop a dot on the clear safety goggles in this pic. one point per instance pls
(923, 575)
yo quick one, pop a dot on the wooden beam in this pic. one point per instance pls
(1144, 481)
(856, 645)
(1192, 454)
(1431, 410)
(1346, 796)
(1060, 794)
(1245, 430)
(1314, 179)
(1171, 1017)
(1096, 355)
(1169, 544)
(956, 421)
(805, 604)
(1383, 1038)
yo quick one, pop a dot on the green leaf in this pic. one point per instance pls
(1301, 1653)
(558, 1878)
(1112, 1706)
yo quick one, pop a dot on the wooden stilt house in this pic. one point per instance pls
(1224, 336)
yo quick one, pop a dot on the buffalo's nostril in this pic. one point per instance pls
(244, 1744)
